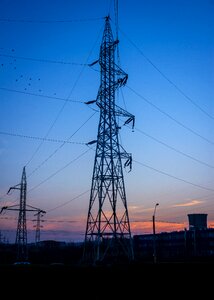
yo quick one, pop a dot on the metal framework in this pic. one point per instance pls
(108, 229)
(22, 208)
(21, 233)
(38, 225)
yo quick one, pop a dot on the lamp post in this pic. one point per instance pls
(154, 235)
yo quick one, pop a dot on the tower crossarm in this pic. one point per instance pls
(17, 207)
(117, 110)
(127, 156)
(12, 207)
(15, 187)
(123, 113)
(32, 208)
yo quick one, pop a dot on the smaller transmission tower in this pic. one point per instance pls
(38, 225)
(22, 208)
(21, 233)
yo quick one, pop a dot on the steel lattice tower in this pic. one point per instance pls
(21, 233)
(108, 229)
(38, 225)
(22, 208)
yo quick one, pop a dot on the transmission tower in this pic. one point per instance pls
(22, 208)
(21, 233)
(108, 232)
(38, 225)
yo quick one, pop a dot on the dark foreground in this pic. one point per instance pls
(130, 281)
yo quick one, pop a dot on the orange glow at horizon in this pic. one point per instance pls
(77, 224)
(147, 227)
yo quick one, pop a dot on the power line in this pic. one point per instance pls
(170, 117)
(63, 106)
(174, 177)
(174, 149)
(40, 138)
(60, 147)
(44, 60)
(158, 221)
(43, 220)
(39, 95)
(168, 79)
(58, 221)
(59, 170)
(49, 21)
(67, 202)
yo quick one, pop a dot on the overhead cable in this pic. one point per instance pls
(40, 138)
(10, 20)
(168, 79)
(60, 147)
(59, 170)
(63, 106)
(174, 149)
(67, 202)
(172, 176)
(170, 117)
(39, 95)
(43, 60)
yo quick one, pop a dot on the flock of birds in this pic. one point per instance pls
(21, 77)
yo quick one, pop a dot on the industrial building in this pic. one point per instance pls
(195, 243)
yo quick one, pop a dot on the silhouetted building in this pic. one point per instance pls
(176, 245)
(197, 221)
(195, 243)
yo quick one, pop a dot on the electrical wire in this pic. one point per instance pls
(60, 147)
(63, 106)
(67, 202)
(172, 176)
(39, 95)
(63, 143)
(170, 117)
(43, 60)
(56, 221)
(40, 138)
(8, 20)
(42, 220)
(59, 170)
(174, 149)
(56, 172)
(168, 79)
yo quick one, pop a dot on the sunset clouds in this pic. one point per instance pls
(189, 203)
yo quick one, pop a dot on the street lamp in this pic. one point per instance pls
(154, 235)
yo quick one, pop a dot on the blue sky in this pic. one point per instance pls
(176, 36)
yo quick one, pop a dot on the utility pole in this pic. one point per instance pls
(108, 229)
